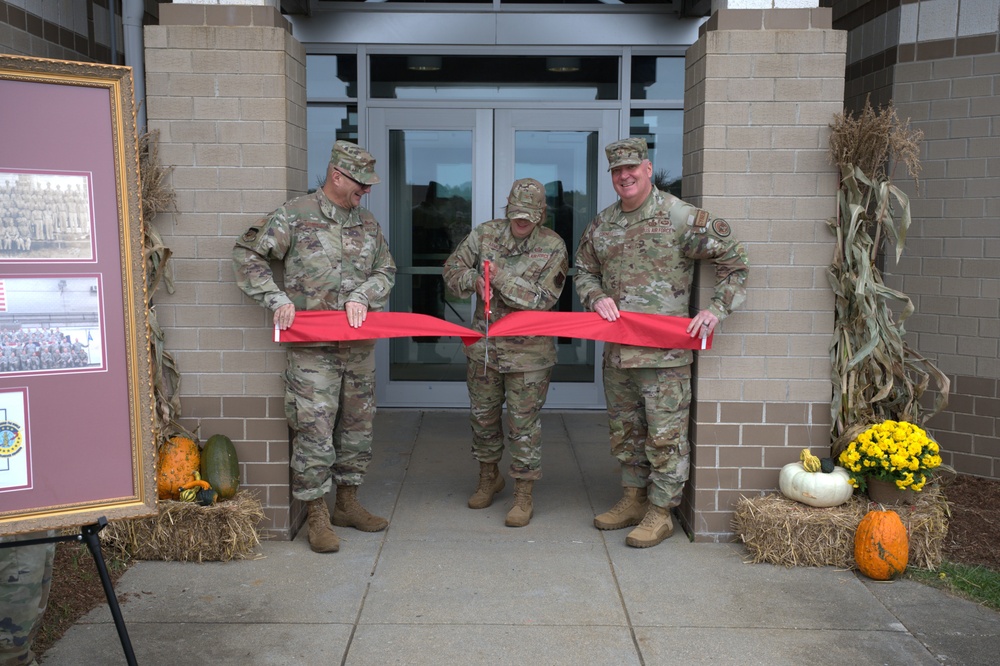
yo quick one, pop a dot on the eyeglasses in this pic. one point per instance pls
(363, 186)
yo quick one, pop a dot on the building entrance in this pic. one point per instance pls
(449, 170)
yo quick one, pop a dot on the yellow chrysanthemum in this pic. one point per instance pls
(895, 451)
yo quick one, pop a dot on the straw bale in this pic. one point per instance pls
(188, 532)
(778, 530)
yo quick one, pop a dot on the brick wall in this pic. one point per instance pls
(951, 265)
(226, 90)
(762, 87)
(77, 30)
(872, 28)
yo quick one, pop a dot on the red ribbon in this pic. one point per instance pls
(633, 328)
(327, 325)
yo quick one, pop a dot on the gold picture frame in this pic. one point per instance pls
(76, 399)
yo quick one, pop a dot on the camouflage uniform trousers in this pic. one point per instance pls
(25, 579)
(525, 394)
(330, 403)
(648, 419)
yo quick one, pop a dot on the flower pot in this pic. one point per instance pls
(886, 492)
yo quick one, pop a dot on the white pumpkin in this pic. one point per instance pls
(815, 488)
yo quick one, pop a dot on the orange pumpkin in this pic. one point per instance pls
(881, 546)
(176, 463)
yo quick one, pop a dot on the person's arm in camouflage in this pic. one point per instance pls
(522, 294)
(252, 255)
(731, 265)
(373, 293)
(461, 268)
(588, 270)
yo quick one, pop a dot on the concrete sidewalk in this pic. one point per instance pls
(448, 585)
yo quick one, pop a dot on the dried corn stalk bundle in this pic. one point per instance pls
(876, 374)
(158, 196)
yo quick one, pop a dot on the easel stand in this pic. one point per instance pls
(88, 534)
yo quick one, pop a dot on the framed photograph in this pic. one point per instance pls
(76, 419)
(46, 217)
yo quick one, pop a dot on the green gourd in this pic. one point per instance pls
(220, 466)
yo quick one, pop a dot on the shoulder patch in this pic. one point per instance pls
(721, 227)
(250, 235)
(698, 219)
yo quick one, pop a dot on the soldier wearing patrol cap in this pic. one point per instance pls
(335, 258)
(638, 255)
(528, 265)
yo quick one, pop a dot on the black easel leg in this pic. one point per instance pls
(89, 533)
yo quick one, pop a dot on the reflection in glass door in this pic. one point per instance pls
(430, 212)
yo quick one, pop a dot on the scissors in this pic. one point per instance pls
(486, 311)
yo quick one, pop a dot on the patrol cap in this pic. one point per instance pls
(626, 152)
(526, 200)
(355, 161)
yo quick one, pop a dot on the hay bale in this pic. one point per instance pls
(778, 530)
(187, 532)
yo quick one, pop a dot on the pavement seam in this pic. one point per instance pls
(381, 545)
(607, 551)
(910, 632)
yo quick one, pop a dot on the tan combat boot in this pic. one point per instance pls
(629, 511)
(348, 512)
(490, 483)
(520, 513)
(322, 538)
(653, 529)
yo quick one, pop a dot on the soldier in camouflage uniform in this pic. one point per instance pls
(25, 580)
(639, 255)
(335, 258)
(528, 264)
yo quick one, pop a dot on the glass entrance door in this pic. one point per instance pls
(563, 150)
(447, 170)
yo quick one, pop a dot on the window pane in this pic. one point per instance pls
(658, 77)
(430, 211)
(444, 2)
(331, 76)
(566, 2)
(566, 78)
(664, 134)
(327, 124)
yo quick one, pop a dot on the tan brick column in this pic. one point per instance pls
(762, 87)
(226, 90)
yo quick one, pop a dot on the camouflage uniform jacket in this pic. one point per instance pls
(645, 261)
(331, 256)
(527, 274)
